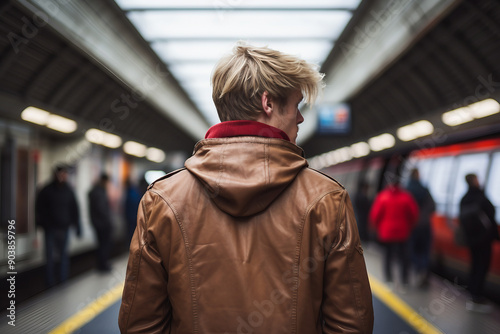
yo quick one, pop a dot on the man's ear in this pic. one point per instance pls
(267, 104)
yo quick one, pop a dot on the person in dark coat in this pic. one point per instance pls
(362, 205)
(132, 200)
(421, 236)
(100, 215)
(56, 210)
(477, 219)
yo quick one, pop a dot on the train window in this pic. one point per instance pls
(424, 168)
(493, 184)
(470, 163)
(438, 182)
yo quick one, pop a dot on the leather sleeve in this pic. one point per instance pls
(347, 299)
(145, 306)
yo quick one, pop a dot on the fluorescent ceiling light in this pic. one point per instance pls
(35, 115)
(329, 159)
(189, 71)
(103, 138)
(200, 24)
(473, 111)
(343, 154)
(319, 162)
(155, 154)
(484, 108)
(415, 130)
(360, 149)
(134, 148)
(457, 117)
(153, 175)
(52, 121)
(220, 5)
(381, 142)
(210, 51)
(333, 157)
(61, 124)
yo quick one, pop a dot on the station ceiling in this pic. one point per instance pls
(191, 36)
(451, 64)
(440, 67)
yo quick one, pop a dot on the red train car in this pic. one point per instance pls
(442, 170)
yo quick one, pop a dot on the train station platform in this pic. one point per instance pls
(90, 304)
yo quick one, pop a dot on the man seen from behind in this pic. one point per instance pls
(246, 238)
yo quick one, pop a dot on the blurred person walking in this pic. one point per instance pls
(247, 238)
(421, 236)
(477, 219)
(56, 210)
(362, 205)
(393, 215)
(100, 216)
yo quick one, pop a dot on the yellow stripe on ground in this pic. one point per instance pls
(90, 312)
(419, 323)
(415, 320)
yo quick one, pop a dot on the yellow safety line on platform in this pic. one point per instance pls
(419, 323)
(415, 320)
(90, 312)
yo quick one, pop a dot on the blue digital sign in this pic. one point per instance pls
(334, 119)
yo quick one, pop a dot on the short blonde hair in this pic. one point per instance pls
(240, 79)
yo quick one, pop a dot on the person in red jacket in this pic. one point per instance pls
(393, 214)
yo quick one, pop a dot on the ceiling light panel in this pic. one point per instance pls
(381, 142)
(154, 25)
(415, 130)
(360, 149)
(103, 138)
(61, 124)
(155, 154)
(35, 115)
(190, 71)
(135, 148)
(181, 51)
(176, 4)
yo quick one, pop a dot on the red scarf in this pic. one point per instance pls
(245, 128)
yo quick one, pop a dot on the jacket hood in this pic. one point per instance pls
(244, 175)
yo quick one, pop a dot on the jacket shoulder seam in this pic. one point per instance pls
(164, 177)
(327, 176)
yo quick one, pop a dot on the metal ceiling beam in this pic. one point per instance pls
(95, 29)
(50, 65)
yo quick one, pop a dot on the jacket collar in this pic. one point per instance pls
(245, 128)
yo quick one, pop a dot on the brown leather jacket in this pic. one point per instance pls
(246, 239)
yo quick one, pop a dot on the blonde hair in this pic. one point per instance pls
(240, 79)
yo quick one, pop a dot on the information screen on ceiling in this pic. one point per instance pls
(334, 119)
